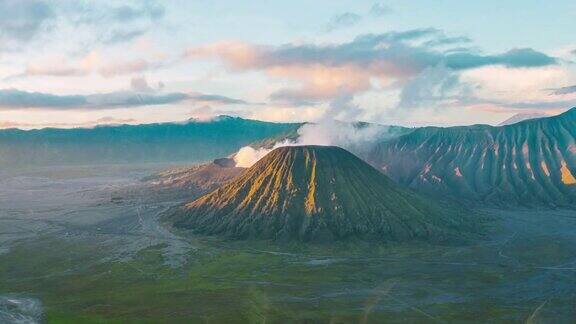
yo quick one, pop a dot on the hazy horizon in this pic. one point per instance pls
(409, 63)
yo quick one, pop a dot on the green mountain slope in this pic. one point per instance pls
(529, 163)
(171, 142)
(316, 193)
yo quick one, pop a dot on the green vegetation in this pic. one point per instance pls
(258, 282)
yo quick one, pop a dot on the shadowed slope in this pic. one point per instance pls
(529, 163)
(315, 193)
(192, 182)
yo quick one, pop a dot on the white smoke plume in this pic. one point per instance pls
(357, 138)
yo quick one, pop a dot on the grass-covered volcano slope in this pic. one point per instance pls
(317, 193)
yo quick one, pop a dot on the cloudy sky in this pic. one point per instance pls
(413, 62)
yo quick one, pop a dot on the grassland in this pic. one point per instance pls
(254, 282)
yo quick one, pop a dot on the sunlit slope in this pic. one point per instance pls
(528, 163)
(317, 193)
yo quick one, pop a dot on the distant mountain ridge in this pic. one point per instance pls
(317, 193)
(522, 117)
(529, 163)
(188, 142)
